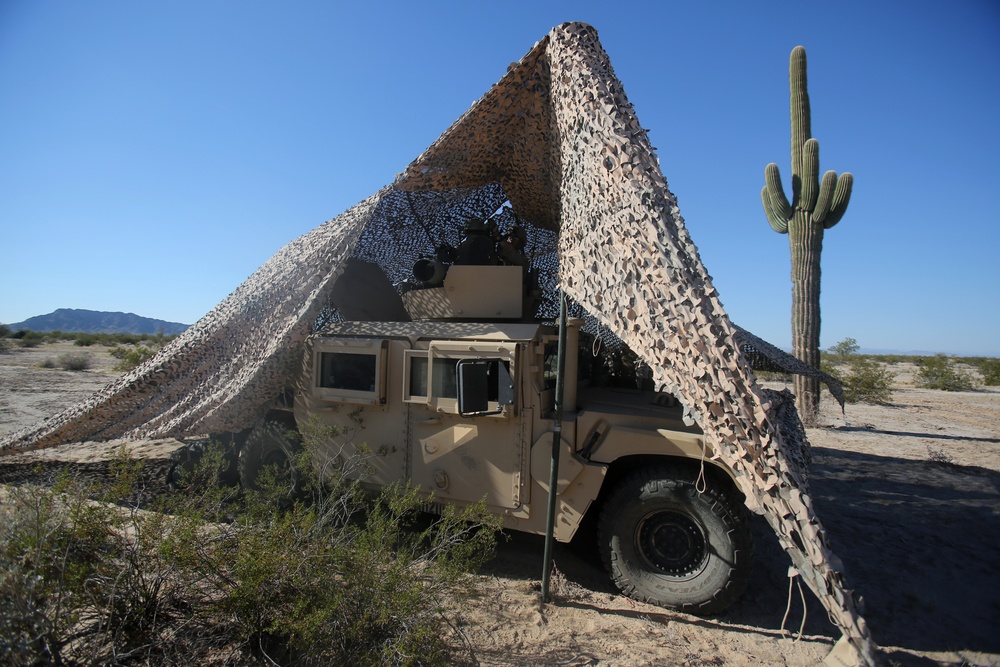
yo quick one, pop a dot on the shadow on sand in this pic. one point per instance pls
(918, 540)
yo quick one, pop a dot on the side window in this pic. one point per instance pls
(433, 374)
(416, 368)
(350, 371)
(429, 378)
(343, 370)
(444, 379)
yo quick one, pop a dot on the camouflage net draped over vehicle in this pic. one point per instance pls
(556, 138)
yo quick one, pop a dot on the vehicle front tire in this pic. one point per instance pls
(269, 446)
(665, 543)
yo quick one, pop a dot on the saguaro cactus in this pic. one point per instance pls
(816, 206)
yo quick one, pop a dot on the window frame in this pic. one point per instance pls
(503, 351)
(377, 348)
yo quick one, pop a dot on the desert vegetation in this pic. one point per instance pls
(870, 378)
(68, 362)
(938, 372)
(131, 356)
(28, 338)
(111, 573)
(865, 380)
(130, 349)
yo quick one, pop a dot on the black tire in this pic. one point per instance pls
(269, 445)
(666, 544)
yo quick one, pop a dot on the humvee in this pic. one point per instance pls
(459, 401)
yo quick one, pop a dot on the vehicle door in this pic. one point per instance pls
(481, 454)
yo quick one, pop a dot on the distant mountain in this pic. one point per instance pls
(95, 321)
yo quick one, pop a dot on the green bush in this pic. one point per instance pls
(938, 372)
(990, 370)
(74, 362)
(51, 544)
(120, 338)
(342, 579)
(130, 357)
(85, 339)
(30, 338)
(867, 382)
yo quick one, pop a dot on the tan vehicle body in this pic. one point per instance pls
(406, 411)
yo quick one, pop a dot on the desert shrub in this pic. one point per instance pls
(126, 339)
(74, 362)
(118, 338)
(867, 381)
(938, 372)
(57, 335)
(51, 543)
(30, 338)
(830, 368)
(341, 579)
(361, 582)
(940, 457)
(85, 339)
(25, 630)
(5, 345)
(990, 370)
(48, 362)
(5, 331)
(130, 357)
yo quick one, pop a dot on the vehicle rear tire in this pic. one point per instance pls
(665, 543)
(269, 445)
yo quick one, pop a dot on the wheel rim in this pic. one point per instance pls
(672, 544)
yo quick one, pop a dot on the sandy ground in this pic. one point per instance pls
(910, 494)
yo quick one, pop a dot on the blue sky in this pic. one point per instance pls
(153, 155)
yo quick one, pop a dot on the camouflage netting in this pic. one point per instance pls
(555, 147)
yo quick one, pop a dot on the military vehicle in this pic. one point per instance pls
(460, 401)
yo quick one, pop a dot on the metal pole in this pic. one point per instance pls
(556, 441)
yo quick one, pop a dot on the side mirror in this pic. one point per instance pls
(479, 382)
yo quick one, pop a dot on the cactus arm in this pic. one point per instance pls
(776, 205)
(810, 175)
(772, 181)
(826, 188)
(841, 198)
(773, 211)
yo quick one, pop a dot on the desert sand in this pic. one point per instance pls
(909, 493)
